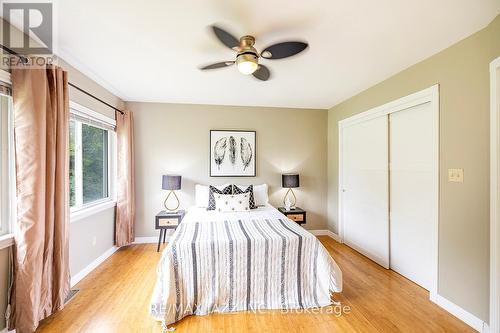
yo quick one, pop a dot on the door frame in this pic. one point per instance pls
(494, 323)
(429, 95)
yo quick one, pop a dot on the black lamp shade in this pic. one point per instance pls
(290, 180)
(171, 182)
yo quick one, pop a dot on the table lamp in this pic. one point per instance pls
(290, 181)
(171, 183)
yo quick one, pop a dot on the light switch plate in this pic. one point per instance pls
(456, 175)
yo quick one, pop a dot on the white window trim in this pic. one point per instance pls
(5, 76)
(7, 240)
(86, 210)
(85, 112)
(92, 209)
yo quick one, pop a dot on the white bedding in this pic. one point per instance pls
(224, 262)
(201, 214)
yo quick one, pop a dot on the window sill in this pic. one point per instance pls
(91, 210)
(6, 241)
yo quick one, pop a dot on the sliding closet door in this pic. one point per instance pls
(413, 153)
(365, 188)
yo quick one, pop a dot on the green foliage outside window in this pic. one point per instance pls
(72, 163)
(94, 162)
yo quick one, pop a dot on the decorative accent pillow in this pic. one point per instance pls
(249, 190)
(214, 190)
(201, 193)
(260, 195)
(232, 202)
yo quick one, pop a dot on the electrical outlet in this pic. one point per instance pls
(94, 240)
(456, 175)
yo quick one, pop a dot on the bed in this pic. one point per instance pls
(244, 261)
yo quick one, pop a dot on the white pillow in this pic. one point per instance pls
(260, 195)
(201, 194)
(232, 202)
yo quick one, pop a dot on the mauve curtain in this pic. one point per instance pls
(41, 251)
(125, 192)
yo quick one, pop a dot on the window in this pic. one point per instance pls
(7, 186)
(90, 144)
(88, 148)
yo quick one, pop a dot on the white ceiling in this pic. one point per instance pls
(151, 50)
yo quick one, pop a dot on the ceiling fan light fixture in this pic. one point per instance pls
(247, 57)
(247, 63)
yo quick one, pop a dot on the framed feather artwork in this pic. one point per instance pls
(232, 153)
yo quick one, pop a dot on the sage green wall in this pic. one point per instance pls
(462, 72)
(174, 138)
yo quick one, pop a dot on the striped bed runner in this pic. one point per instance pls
(225, 266)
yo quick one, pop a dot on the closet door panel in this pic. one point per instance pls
(411, 188)
(365, 188)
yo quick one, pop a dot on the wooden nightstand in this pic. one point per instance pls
(298, 214)
(165, 220)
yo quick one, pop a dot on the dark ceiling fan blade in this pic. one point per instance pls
(218, 65)
(283, 50)
(262, 73)
(225, 37)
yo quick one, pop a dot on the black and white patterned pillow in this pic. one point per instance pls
(212, 189)
(232, 202)
(249, 189)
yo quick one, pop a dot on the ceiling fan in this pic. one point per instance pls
(247, 57)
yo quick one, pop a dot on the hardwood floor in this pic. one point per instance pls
(115, 298)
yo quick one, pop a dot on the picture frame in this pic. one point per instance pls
(233, 153)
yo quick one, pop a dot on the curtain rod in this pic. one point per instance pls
(94, 97)
(25, 60)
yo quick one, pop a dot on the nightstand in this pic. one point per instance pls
(298, 214)
(165, 220)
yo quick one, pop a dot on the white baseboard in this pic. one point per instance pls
(93, 265)
(152, 239)
(147, 240)
(5, 330)
(328, 233)
(460, 313)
